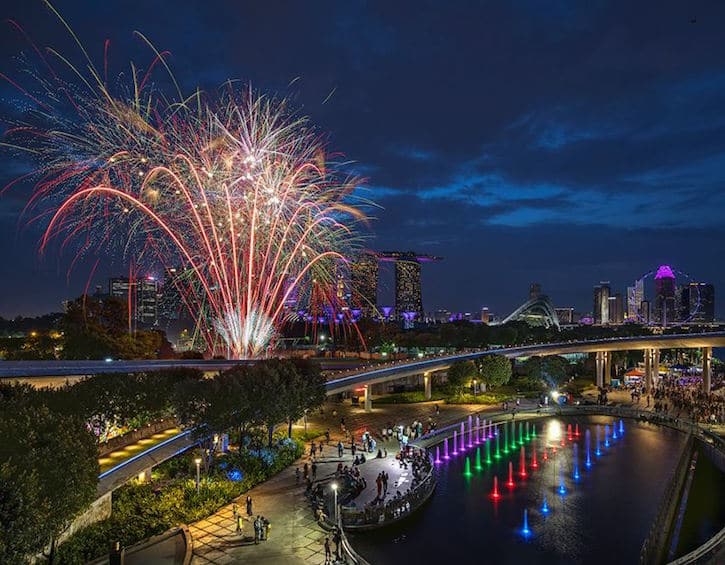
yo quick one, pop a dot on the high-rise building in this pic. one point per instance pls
(645, 315)
(170, 303)
(701, 302)
(635, 296)
(485, 315)
(408, 295)
(141, 295)
(682, 303)
(664, 304)
(601, 303)
(616, 309)
(364, 273)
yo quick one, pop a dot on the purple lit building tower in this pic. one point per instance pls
(664, 303)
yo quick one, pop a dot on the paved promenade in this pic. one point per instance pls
(295, 537)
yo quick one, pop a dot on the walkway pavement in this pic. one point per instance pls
(295, 537)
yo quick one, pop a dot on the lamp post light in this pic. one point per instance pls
(475, 387)
(334, 490)
(198, 478)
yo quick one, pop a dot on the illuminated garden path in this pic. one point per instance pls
(117, 457)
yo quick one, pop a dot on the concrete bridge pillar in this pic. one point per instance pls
(607, 368)
(427, 379)
(706, 369)
(648, 359)
(368, 399)
(655, 366)
(599, 362)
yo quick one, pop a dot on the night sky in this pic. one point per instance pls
(558, 142)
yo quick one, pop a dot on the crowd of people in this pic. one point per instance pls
(686, 399)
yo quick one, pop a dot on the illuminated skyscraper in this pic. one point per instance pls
(616, 309)
(141, 295)
(601, 303)
(408, 296)
(364, 273)
(635, 296)
(664, 303)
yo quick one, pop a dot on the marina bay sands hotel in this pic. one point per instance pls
(365, 279)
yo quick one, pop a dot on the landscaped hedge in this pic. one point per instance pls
(144, 510)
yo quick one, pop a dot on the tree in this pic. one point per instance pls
(59, 458)
(305, 392)
(550, 369)
(460, 373)
(495, 370)
(265, 385)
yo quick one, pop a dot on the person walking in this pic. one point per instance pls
(240, 524)
(235, 510)
(337, 538)
(257, 530)
(305, 470)
(328, 553)
(297, 475)
(313, 448)
(266, 525)
(327, 436)
(340, 448)
(314, 471)
(249, 506)
(385, 483)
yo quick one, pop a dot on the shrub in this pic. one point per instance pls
(144, 510)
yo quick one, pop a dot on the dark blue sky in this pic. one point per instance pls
(558, 142)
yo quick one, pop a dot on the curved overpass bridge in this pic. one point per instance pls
(123, 472)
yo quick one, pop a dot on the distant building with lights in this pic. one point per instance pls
(601, 303)
(364, 276)
(665, 311)
(408, 293)
(141, 295)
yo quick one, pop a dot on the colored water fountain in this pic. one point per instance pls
(576, 430)
(522, 463)
(488, 453)
(568, 433)
(521, 433)
(527, 435)
(498, 449)
(598, 450)
(510, 483)
(614, 431)
(562, 485)
(587, 441)
(455, 442)
(606, 435)
(494, 493)
(470, 431)
(467, 471)
(533, 431)
(575, 462)
(545, 457)
(621, 427)
(463, 438)
(544, 506)
(534, 462)
(438, 454)
(478, 459)
(445, 449)
(505, 440)
(525, 531)
(513, 436)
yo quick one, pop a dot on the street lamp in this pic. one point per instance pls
(334, 490)
(475, 388)
(198, 479)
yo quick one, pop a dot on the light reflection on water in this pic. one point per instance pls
(602, 518)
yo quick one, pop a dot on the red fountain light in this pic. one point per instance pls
(568, 434)
(576, 430)
(522, 463)
(510, 483)
(534, 462)
(495, 494)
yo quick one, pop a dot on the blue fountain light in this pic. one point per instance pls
(545, 506)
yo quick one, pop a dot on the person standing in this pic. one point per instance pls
(249, 505)
(240, 524)
(297, 475)
(337, 538)
(340, 449)
(257, 530)
(266, 525)
(327, 436)
(314, 471)
(305, 470)
(328, 553)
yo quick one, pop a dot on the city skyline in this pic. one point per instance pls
(502, 170)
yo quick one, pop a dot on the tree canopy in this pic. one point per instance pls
(494, 370)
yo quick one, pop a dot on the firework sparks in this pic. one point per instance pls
(235, 190)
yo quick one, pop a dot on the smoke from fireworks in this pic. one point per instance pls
(235, 192)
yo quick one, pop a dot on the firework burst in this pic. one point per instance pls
(234, 191)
